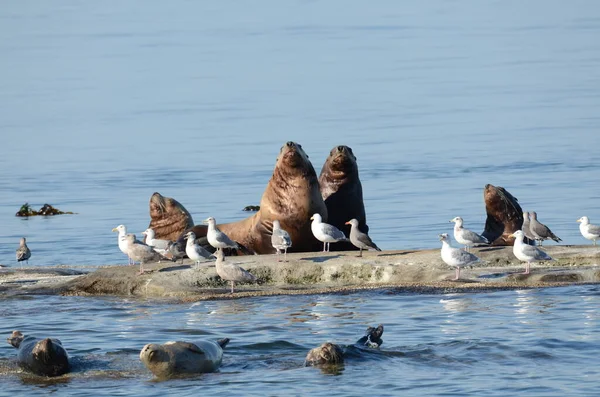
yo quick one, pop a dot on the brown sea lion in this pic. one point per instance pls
(292, 196)
(342, 192)
(504, 215)
(168, 218)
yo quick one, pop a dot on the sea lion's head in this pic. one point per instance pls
(168, 218)
(15, 339)
(158, 205)
(156, 358)
(294, 160)
(327, 353)
(341, 162)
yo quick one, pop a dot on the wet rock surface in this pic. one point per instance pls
(313, 273)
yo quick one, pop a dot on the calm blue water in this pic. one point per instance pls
(528, 342)
(103, 104)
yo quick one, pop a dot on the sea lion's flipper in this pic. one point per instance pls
(223, 342)
(372, 337)
(15, 339)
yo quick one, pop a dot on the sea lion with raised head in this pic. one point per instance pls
(292, 196)
(44, 357)
(175, 359)
(168, 218)
(504, 215)
(342, 192)
(332, 354)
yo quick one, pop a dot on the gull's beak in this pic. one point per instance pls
(451, 220)
(312, 217)
(511, 235)
(115, 229)
(578, 220)
(347, 223)
(205, 222)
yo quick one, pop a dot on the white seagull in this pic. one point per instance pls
(527, 253)
(217, 238)
(455, 257)
(325, 232)
(281, 240)
(194, 250)
(466, 237)
(589, 231)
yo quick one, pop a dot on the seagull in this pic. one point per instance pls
(140, 252)
(23, 252)
(527, 253)
(589, 231)
(359, 239)
(540, 231)
(217, 238)
(526, 228)
(121, 240)
(281, 240)
(194, 250)
(159, 246)
(177, 250)
(466, 236)
(231, 272)
(325, 232)
(455, 257)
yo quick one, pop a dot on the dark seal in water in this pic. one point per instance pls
(45, 357)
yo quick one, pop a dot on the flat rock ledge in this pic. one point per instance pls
(416, 271)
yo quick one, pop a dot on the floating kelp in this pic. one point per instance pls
(46, 210)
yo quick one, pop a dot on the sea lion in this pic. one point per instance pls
(331, 354)
(292, 196)
(168, 218)
(174, 359)
(504, 215)
(45, 357)
(342, 192)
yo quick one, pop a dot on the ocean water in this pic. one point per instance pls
(103, 104)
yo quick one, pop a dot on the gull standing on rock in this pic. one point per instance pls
(281, 240)
(231, 272)
(526, 228)
(589, 231)
(540, 231)
(177, 250)
(455, 257)
(23, 252)
(140, 252)
(122, 242)
(359, 239)
(159, 246)
(325, 232)
(527, 253)
(217, 238)
(466, 236)
(194, 250)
